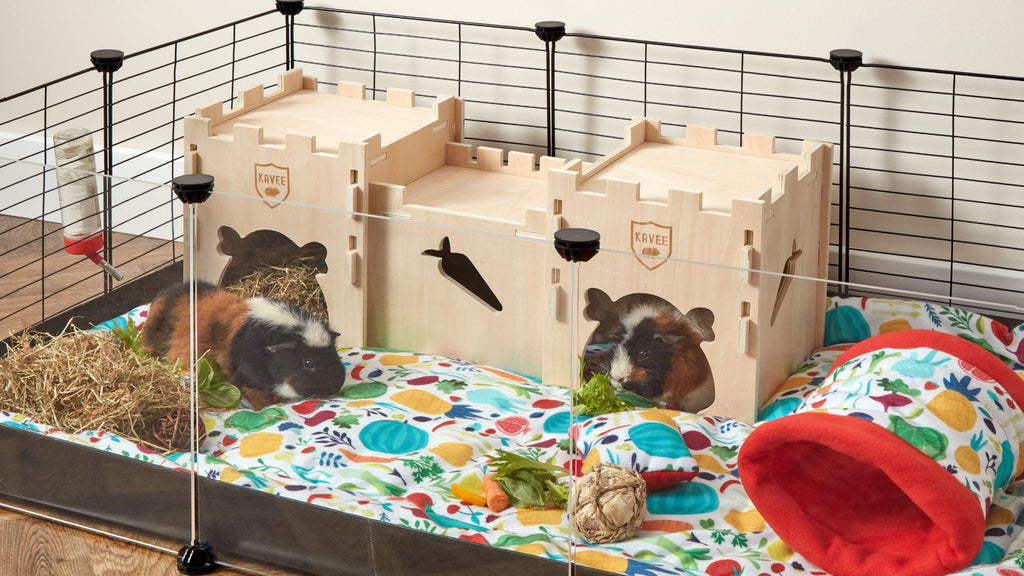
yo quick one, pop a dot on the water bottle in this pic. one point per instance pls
(79, 197)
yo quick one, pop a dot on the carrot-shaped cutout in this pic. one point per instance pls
(497, 500)
(461, 270)
(467, 495)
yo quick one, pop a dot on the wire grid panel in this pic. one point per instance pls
(166, 84)
(160, 86)
(29, 204)
(218, 65)
(603, 83)
(27, 125)
(499, 71)
(792, 99)
(141, 144)
(598, 88)
(936, 184)
(503, 82)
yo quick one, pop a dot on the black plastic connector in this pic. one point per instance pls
(192, 188)
(577, 244)
(846, 60)
(107, 60)
(289, 7)
(550, 30)
(196, 558)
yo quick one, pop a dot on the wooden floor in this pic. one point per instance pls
(39, 279)
(32, 546)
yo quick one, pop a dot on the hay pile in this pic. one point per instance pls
(294, 283)
(90, 380)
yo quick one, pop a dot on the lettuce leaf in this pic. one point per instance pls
(597, 396)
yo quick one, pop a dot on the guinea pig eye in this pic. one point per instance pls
(644, 353)
(308, 364)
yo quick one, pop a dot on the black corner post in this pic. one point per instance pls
(196, 557)
(550, 31)
(106, 62)
(289, 8)
(845, 61)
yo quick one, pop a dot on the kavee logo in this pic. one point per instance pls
(651, 243)
(271, 183)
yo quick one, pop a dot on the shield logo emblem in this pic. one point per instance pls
(651, 243)
(271, 184)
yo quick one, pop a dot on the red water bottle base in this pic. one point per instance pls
(84, 247)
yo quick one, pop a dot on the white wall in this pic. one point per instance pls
(45, 40)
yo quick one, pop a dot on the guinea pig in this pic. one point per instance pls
(272, 351)
(655, 352)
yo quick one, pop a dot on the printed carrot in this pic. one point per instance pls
(467, 495)
(497, 499)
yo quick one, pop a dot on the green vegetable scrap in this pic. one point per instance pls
(129, 335)
(597, 396)
(529, 483)
(214, 389)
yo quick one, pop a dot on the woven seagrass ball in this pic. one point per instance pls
(610, 502)
(172, 430)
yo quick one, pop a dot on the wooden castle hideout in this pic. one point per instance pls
(431, 250)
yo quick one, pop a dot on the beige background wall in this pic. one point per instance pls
(48, 39)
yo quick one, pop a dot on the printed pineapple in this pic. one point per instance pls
(967, 456)
(953, 405)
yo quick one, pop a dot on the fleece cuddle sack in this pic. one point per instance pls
(891, 465)
(647, 441)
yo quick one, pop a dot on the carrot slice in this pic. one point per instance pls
(497, 500)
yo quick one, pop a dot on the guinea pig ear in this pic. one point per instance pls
(668, 338)
(274, 348)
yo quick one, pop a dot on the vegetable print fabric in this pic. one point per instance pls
(407, 426)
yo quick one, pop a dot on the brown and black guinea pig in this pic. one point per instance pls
(272, 351)
(654, 350)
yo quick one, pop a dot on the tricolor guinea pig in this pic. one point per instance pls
(654, 350)
(271, 350)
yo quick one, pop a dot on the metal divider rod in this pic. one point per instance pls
(845, 61)
(42, 217)
(550, 31)
(106, 62)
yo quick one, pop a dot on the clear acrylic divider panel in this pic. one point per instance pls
(670, 354)
(95, 429)
(702, 352)
(429, 357)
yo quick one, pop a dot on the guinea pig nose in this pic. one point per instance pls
(617, 371)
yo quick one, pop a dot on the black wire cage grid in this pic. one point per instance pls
(927, 180)
(927, 177)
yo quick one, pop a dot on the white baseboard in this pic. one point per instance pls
(995, 291)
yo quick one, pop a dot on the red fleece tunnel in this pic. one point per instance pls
(890, 466)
